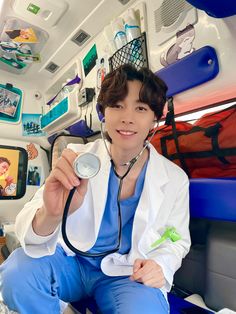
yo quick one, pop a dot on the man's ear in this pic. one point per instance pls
(99, 112)
(154, 125)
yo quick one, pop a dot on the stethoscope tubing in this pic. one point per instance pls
(65, 215)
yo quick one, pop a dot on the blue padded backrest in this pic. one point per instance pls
(213, 199)
(197, 68)
(219, 9)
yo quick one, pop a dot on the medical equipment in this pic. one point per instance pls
(170, 234)
(85, 96)
(86, 165)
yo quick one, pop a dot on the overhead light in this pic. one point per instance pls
(124, 2)
(80, 37)
(52, 67)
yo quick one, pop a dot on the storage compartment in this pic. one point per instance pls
(134, 52)
(20, 45)
(61, 101)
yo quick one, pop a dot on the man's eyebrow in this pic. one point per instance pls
(138, 101)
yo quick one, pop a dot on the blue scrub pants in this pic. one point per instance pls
(35, 285)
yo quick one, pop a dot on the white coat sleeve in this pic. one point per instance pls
(169, 255)
(33, 244)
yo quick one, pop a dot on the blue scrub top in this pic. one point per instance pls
(108, 233)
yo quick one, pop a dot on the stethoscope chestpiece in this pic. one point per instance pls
(86, 165)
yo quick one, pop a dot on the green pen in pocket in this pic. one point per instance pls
(170, 234)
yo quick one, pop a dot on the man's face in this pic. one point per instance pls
(129, 121)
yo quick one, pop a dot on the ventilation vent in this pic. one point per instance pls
(124, 2)
(80, 38)
(52, 67)
(169, 12)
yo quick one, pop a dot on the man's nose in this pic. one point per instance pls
(128, 116)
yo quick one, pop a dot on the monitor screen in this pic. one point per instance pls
(13, 172)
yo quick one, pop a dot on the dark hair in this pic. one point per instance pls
(13, 34)
(114, 88)
(3, 159)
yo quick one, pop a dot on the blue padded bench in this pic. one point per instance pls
(177, 306)
(213, 199)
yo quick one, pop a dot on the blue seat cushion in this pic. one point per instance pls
(181, 306)
(177, 306)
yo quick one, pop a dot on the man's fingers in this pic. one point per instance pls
(146, 268)
(64, 164)
(59, 177)
(156, 281)
(137, 265)
(69, 155)
(146, 277)
(82, 188)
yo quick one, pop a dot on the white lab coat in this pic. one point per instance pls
(163, 203)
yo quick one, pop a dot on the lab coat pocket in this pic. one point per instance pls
(149, 238)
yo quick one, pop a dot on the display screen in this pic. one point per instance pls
(13, 172)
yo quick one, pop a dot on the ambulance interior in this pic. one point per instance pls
(50, 77)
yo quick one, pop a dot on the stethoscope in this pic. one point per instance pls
(86, 166)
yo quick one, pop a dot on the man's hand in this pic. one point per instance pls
(148, 272)
(56, 190)
(9, 180)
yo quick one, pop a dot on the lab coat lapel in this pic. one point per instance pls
(158, 179)
(150, 201)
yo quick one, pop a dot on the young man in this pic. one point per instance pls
(4, 166)
(153, 196)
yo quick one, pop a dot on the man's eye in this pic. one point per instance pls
(117, 106)
(140, 108)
